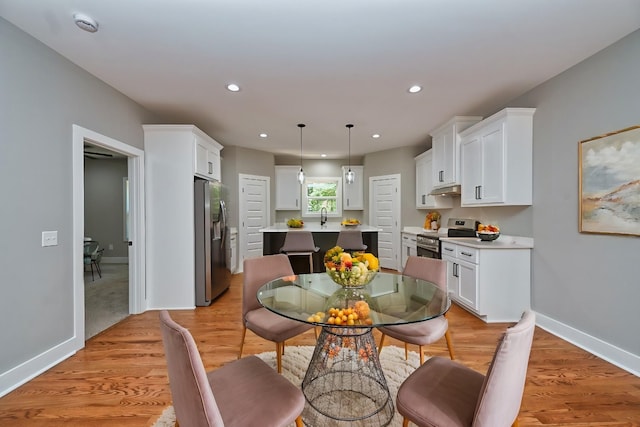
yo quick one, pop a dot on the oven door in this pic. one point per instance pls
(428, 252)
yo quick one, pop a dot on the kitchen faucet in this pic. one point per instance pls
(323, 216)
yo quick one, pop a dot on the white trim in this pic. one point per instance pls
(612, 354)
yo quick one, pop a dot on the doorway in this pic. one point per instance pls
(134, 252)
(384, 208)
(254, 215)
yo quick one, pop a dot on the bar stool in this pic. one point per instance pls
(351, 241)
(300, 243)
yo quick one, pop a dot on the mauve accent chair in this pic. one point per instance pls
(445, 393)
(300, 243)
(429, 331)
(245, 392)
(351, 241)
(262, 322)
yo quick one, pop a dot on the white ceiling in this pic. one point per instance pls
(325, 63)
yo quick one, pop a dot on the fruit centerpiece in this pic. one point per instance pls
(350, 270)
(488, 232)
(350, 222)
(295, 223)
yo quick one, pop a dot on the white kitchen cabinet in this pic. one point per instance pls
(206, 157)
(232, 249)
(409, 247)
(493, 284)
(288, 189)
(424, 185)
(445, 144)
(353, 194)
(497, 162)
(169, 153)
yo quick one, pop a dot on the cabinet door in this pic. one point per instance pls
(471, 154)
(468, 284)
(452, 277)
(440, 152)
(287, 188)
(353, 194)
(492, 184)
(424, 184)
(207, 160)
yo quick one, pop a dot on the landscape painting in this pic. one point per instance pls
(610, 183)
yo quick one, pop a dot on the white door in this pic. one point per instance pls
(384, 208)
(254, 215)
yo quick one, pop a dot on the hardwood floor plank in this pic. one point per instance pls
(119, 378)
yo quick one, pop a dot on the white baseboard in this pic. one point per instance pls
(26, 371)
(612, 354)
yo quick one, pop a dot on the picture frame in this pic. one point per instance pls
(609, 183)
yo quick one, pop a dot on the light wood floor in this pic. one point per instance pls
(119, 378)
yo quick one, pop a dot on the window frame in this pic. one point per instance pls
(305, 198)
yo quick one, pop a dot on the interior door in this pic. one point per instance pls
(384, 208)
(254, 215)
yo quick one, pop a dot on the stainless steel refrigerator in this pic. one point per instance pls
(212, 275)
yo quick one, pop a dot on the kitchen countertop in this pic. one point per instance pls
(419, 230)
(502, 242)
(315, 227)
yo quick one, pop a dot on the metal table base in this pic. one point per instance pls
(344, 384)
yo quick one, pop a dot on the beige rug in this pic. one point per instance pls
(296, 360)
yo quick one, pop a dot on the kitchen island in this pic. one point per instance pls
(324, 236)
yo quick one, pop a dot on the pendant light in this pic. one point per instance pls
(350, 176)
(301, 173)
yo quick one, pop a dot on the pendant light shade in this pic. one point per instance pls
(301, 173)
(350, 176)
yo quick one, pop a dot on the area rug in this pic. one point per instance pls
(296, 360)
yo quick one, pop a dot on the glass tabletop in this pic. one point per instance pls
(389, 299)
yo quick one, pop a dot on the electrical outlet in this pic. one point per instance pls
(49, 238)
(110, 246)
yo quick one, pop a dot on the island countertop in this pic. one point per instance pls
(315, 227)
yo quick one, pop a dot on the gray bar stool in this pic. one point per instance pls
(351, 241)
(300, 243)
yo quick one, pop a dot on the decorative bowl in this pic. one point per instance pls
(487, 236)
(295, 223)
(347, 279)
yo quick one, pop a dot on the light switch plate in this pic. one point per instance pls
(49, 238)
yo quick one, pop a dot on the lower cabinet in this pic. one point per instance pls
(408, 247)
(232, 250)
(493, 284)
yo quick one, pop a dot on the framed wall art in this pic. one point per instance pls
(609, 180)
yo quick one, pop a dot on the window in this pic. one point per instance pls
(318, 193)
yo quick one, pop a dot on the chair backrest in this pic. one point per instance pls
(501, 393)
(351, 239)
(429, 269)
(257, 272)
(90, 248)
(298, 241)
(193, 399)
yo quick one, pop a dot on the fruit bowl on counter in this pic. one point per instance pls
(295, 223)
(350, 222)
(488, 232)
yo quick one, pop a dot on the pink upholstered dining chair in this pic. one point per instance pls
(429, 331)
(262, 322)
(445, 393)
(246, 392)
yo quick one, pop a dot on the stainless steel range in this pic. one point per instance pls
(428, 243)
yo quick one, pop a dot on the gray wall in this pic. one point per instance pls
(43, 95)
(104, 205)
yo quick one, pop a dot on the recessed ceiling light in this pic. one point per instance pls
(233, 87)
(375, 135)
(415, 89)
(263, 135)
(323, 155)
(85, 22)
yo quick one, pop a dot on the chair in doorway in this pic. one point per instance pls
(429, 331)
(262, 322)
(351, 241)
(93, 256)
(246, 392)
(442, 392)
(300, 243)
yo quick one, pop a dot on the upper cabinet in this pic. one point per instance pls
(287, 188)
(497, 160)
(424, 184)
(353, 194)
(446, 150)
(206, 157)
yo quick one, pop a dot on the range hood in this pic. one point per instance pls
(451, 190)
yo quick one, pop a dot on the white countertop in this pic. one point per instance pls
(502, 242)
(315, 227)
(419, 230)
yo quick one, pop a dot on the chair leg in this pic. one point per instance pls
(405, 422)
(406, 351)
(279, 351)
(92, 278)
(515, 423)
(311, 263)
(421, 355)
(244, 332)
(315, 331)
(299, 421)
(381, 343)
(447, 336)
(99, 270)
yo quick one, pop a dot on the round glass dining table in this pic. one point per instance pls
(344, 384)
